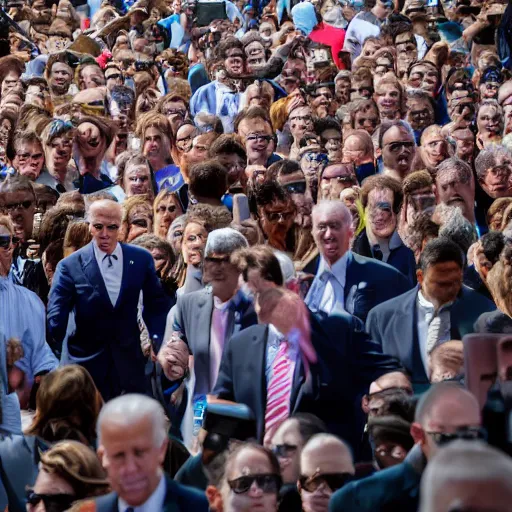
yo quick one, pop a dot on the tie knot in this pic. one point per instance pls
(110, 257)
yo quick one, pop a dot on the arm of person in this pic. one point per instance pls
(475, 28)
(61, 301)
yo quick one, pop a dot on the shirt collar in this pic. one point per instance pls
(154, 502)
(100, 254)
(426, 304)
(339, 269)
(395, 241)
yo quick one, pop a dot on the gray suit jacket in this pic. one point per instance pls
(192, 316)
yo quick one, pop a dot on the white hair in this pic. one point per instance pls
(465, 463)
(225, 241)
(336, 208)
(129, 409)
(103, 205)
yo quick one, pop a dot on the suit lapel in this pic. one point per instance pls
(204, 321)
(93, 273)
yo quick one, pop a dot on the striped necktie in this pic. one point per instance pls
(279, 391)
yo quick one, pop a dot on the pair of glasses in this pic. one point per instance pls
(334, 481)
(396, 147)
(284, 450)
(318, 158)
(23, 157)
(162, 208)
(298, 187)
(25, 205)
(363, 91)
(306, 119)
(279, 216)
(217, 261)
(259, 138)
(269, 483)
(175, 112)
(6, 240)
(114, 76)
(110, 227)
(52, 502)
(465, 433)
(141, 223)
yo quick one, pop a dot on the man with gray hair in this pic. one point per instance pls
(467, 476)
(338, 285)
(206, 319)
(132, 445)
(493, 167)
(102, 283)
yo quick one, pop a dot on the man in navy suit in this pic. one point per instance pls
(132, 444)
(441, 309)
(346, 281)
(102, 283)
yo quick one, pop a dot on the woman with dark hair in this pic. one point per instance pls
(134, 175)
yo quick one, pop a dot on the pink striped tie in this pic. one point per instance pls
(278, 393)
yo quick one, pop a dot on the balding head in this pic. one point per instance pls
(326, 453)
(105, 206)
(104, 221)
(445, 408)
(467, 475)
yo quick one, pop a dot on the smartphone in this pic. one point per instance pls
(241, 210)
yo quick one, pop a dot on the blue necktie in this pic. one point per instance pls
(110, 264)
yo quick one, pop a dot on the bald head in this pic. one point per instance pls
(332, 209)
(104, 223)
(467, 475)
(326, 453)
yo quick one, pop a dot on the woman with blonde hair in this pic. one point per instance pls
(137, 218)
(166, 208)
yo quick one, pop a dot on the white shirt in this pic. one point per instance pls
(152, 504)
(426, 311)
(334, 291)
(217, 337)
(112, 275)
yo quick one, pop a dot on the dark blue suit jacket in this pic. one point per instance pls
(178, 498)
(348, 361)
(394, 325)
(110, 334)
(368, 283)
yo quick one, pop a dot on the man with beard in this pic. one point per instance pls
(420, 111)
(322, 101)
(493, 168)
(396, 141)
(455, 186)
(382, 199)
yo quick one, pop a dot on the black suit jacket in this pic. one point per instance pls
(178, 498)
(348, 361)
(394, 324)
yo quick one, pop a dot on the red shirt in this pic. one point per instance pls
(330, 36)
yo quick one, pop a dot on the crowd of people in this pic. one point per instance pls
(255, 255)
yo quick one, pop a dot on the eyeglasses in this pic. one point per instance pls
(306, 119)
(114, 76)
(23, 157)
(396, 147)
(110, 227)
(25, 205)
(162, 208)
(298, 187)
(269, 483)
(363, 91)
(334, 481)
(317, 158)
(141, 223)
(174, 112)
(6, 240)
(466, 433)
(52, 502)
(279, 216)
(284, 450)
(334, 226)
(258, 138)
(217, 261)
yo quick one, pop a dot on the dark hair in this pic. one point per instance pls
(269, 192)
(17, 183)
(309, 425)
(416, 181)
(463, 170)
(326, 123)
(149, 242)
(54, 225)
(283, 167)
(440, 250)
(493, 243)
(387, 125)
(227, 44)
(379, 182)
(227, 144)
(260, 258)
(250, 114)
(208, 179)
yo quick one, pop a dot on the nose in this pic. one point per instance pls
(255, 491)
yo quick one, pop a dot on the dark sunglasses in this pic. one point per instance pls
(284, 450)
(6, 240)
(465, 433)
(52, 502)
(110, 227)
(298, 187)
(142, 223)
(334, 481)
(16, 206)
(269, 483)
(263, 138)
(218, 261)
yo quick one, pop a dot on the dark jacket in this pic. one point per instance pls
(348, 361)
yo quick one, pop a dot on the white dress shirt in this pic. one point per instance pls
(426, 312)
(335, 279)
(154, 503)
(112, 275)
(217, 337)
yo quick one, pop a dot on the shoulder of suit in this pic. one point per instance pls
(134, 251)
(198, 295)
(382, 267)
(176, 490)
(470, 295)
(252, 332)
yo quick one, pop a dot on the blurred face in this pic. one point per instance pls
(113, 77)
(287, 444)
(90, 140)
(367, 120)
(137, 180)
(389, 454)
(50, 486)
(361, 89)
(331, 234)
(383, 65)
(370, 47)
(343, 90)
(184, 138)
(398, 150)
(140, 222)
(300, 121)
(276, 220)
(199, 150)
(59, 153)
(420, 113)
(311, 164)
(406, 52)
(258, 139)
(235, 165)
(322, 103)
(250, 462)
(382, 219)
(194, 241)
(489, 121)
(175, 236)
(131, 459)
(21, 207)
(336, 178)
(465, 141)
(354, 151)
(234, 62)
(454, 190)
(91, 77)
(154, 144)
(331, 141)
(441, 282)
(387, 97)
(10, 82)
(255, 54)
(167, 210)
(296, 186)
(497, 180)
(220, 274)
(175, 111)
(160, 259)
(5, 131)
(424, 77)
(258, 97)
(256, 283)
(37, 95)
(104, 227)
(6, 250)
(436, 149)
(29, 160)
(489, 90)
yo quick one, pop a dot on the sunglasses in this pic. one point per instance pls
(318, 158)
(258, 138)
(284, 450)
(334, 481)
(465, 433)
(296, 188)
(52, 502)
(5, 241)
(25, 205)
(395, 147)
(217, 261)
(110, 227)
(269, 483)
(141, 223)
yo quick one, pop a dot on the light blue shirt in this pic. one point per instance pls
(153, 504)
(112, 274)
(274, 340)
